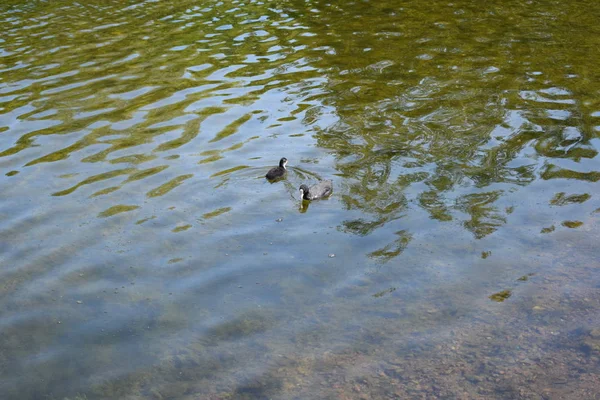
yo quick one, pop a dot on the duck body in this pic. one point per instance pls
(277, 172)
(320, 190)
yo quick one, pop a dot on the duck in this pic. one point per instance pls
(277, 172)
(318, 191)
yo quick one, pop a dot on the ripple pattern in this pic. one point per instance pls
(143, 255)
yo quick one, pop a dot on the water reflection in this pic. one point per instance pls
(143, 253)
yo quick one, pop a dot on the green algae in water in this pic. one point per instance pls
(216, 213)
(116, 210)
(94, 179)
(167, 187)
(572, 224)
(210, 159)
(145, 173)
(134, 159)
(231, 128)
(141, 221)
(106, 191)
(548, 229)
(181, 228)
(501, 296)
(554, 172)
(561, 199)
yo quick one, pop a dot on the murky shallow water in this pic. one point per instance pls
(142, 256)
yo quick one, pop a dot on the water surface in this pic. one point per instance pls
(144, 255)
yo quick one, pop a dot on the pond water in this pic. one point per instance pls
(144, 255)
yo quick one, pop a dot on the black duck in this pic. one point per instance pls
(318, 191)
(277, 172)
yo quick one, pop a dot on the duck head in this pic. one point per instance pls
(303, 192)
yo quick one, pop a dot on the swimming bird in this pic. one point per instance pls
(277, 172)
(318, 191)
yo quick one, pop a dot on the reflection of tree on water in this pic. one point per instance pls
(468, 104)
(485, 218)
(445, 111)
(393, 249)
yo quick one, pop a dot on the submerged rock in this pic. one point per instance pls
(592, 341)
(501, 296)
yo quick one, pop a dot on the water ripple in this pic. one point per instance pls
(145, 255)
